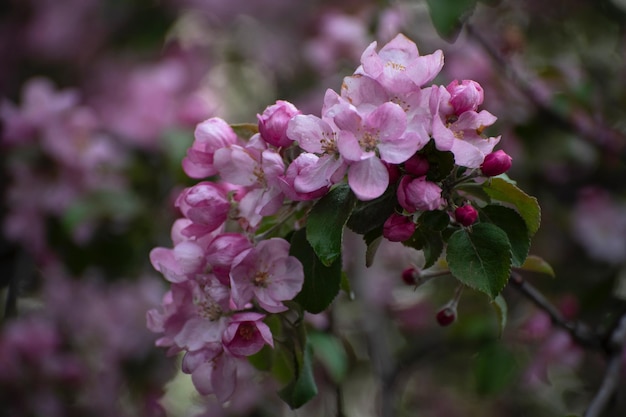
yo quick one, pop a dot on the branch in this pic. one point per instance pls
(612, 374)
(609, 140)
(580, 332)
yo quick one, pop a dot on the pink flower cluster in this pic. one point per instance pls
(225, 273)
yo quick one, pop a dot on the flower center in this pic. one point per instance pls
(246, 331)
(396, 66)
(260, 279)
(329, 143)
(369, 141)
(208, 309)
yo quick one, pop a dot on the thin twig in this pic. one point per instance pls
(613, 371)
(610, 140)
(580, 332)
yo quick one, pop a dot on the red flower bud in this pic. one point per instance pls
(446, 316)
(410, 275)
(466, 215)
(496, 163)
(398, 228)
(417, 165)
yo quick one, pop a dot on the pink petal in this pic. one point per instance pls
(368, 179)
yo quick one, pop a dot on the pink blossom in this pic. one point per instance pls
(398, 65)
(267, 274)
(317, 136)
(460, 133)
(361, 138)
(205, 204)
(273, 123)
(398, 228)
(179, 264)
(257, 168)
(213, 373)
(419, 194)
(210, 135)
(221, 252)
(246, 334)
(194, 315)
(303, 162)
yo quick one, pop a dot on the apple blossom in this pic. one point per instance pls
(267, 274)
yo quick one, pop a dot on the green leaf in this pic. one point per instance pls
(527, 206)
(427, 241)
(534, 263)
(500, 306)
(440, 163)
(302, 388)
(436, 220)
(321, 282)
(494, 369)
(245, 130)
(371, 215)
(448, 16)
(326, 221)
(480, 257)
(474, 190)
(329, 350)
(513, 225)
(372, 247)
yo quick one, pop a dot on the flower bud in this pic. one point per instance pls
(466, 96)
(273, 123)
(446, 316)
(410, 275)
(417, 165)
(398, 228)
(496, 163)
(419, 194)
(466, 215)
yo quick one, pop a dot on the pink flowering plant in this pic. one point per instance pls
(260, 239)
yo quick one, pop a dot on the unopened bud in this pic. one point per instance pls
(398, 228)
(466, 215)
(417, 165)
(446, 316)
(496, 163)
(273, 123)
(410, 275)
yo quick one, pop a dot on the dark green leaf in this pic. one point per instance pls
(370, 215)
(448, 16)
(527, 206)
(440, 162)
(326, 221)
(436, 220)
(513, 225)
(480, 257)
(302, 388)
(429, 242)
(321, 282)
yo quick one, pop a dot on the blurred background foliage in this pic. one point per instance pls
(100, 99)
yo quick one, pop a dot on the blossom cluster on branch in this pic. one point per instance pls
(390, 157)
